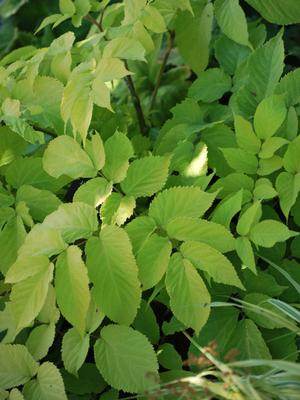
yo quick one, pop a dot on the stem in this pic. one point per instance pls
(162, 68)
(93, 21)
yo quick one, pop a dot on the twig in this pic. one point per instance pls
(93, 21)
(162, 68)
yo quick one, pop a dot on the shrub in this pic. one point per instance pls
(138, 196)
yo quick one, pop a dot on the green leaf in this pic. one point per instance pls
(245, 252)
(139, 230)
(73, 220)
(188, 293)
(288, 188)
(180, 202)
(48, 384)
(210, 85)
(240, 160)
(124, 349)
(49, 312)
(250, 217)
(146, 176)
(248, 340)
(40, 340)
(88, 381)
(95, 149)
(270, 146)
(153, 20)
(40, 202)
(67, 7)
(289, 85)
(71, 277)
(124, 48)
(193, 34)
(26, 266)
(269, 116)
(227, 209)
(269, 232)
(74, 163)
(276, 12)
(115, 278)
(28, 297)
(153, 260)
(117, 209)
(74, 350)
(94, 192)
(291, 159)
(245, 136)
(168, 357)
(208, 259)
(16, 365)
(232, 20)
(215, 235)
(269, 165)
(15, 394)
(11, 146)
(145, 322)
(118, 150)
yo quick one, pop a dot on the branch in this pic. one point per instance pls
(162, 68)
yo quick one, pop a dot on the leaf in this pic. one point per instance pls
(288, 188)
(188, 293)
(180, 202)
(168, 357)
(269, 116)
(88, 381)
(153, 20)
(40, 202)
(193, 34)
(269, 232)
(245, 252)
(16, 365)
(273, 11)
(289, 85)
(291, 160)
(95, 149)
(245, 136)
(28, 297)
(153, 260)
(210, 85)
(227, 209)
(94, 192)
(117, 209)
(15, 394)
(73, 220)
(71, 277)
(139, 230)
(250, 217)
(240, 160)
(215, 235)
(123, 349)
(271, 145)
(25, 267)
(113, 271)
(11, 146)
(145, 322)
(40, 340)
(232, 20)
(248, 340)
(74, 350)
(48, 385)
(146, 176)
(118, 150)
(74, 163)
(124, 48)
(208, 259)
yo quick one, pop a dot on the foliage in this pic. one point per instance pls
(149, 171)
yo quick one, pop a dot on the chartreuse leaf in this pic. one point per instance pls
(71, 277)
(74, 350)
(73, 220)
(153, 20)
(180, 202)
(248, 340)
(117, 209)
(146, 176)
(11, 146)
(126, 48)
(264, 190)
(28, 297)
(145, 322)
(95, 149)
(123, 349)
(273, 11)
(288, 187)
(94, 192)
(245, 252)
(271, 145)
(118, 150)
(48, 384)
(227, 209)
(210, 85)
(232, 20)
(193, 34)
(250, 217)
(289, 85)
(291, 157)
(245, 136)
(49, 312)
(269, 232)
(188, 293)
(208, 259)
(139, 230)
(168, 357)
(26, 266)
(40, 340)
(240, 160)
(74, 163)
(16, 365)
(269, 116)
(200, 230)
(15, 394)
(67, 7)
(113, 271)
(153, 260)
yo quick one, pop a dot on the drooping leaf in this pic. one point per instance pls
(250, 217)
(288, 187)
(40, 340)
(245, 136)
(74, 350)
(123, 349)
(245, 252)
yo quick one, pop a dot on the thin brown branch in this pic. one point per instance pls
(161, 70)
(93, 21)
